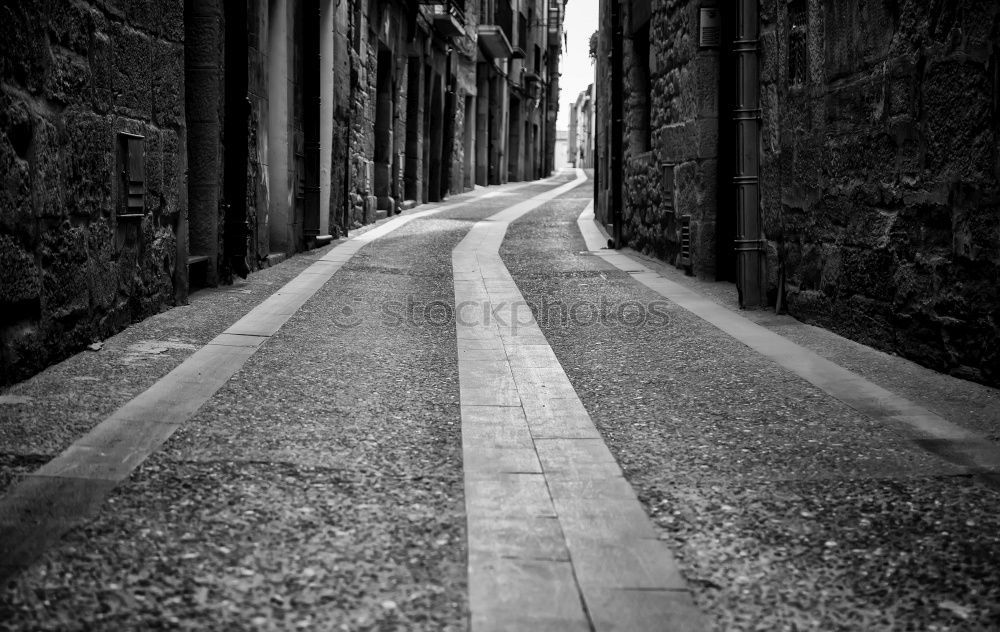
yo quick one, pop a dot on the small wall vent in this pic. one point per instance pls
(709, 29)
(684, 258)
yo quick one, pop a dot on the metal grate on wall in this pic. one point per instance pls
(684, 258)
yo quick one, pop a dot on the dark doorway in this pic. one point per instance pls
(411, 171)
(448, 139)
(234, 140)
(383, 125)
(436, 138)
(468, 135)
(425, 184)
(514, 140)
(536, 154)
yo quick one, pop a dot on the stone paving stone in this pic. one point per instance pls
(488, 384)
(532, 356)
(646, 610)
(491, 355)
(237, 340)
(558, 418)
(543, 383)
(475, 343)
(602, 562)
(514, 595)
(485, 462)
(495, 427)
(576, 459)
(523, 537)
(508, 495)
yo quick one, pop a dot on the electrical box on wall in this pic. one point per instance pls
(131, 165)
(709, 28)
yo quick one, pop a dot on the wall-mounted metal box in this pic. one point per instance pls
(131, 168)
(709, 28)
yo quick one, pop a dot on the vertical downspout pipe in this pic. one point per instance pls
(310, 124)
(617, 68)
(746, 117)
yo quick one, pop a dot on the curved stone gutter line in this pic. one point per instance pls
(71, 487)
(557, 538)
(927, 429)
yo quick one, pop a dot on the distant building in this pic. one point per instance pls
(581, 131)
(149, 152)
(562, 149)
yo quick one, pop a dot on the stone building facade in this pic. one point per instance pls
(151, 148)
(581, 129)
(871, 128)
(94, 162)
(518, 82)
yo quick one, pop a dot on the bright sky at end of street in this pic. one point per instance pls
(575, 66)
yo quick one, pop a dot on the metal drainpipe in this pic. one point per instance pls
(617, 68)
(746, 116)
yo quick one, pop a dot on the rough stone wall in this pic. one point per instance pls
(258, 245)
(457, 174)
(372, 23)
(685, 122)
(342, 102)
(881, 169)
(649, 224)
(602, 102)
(74, 75)
(362, 119)
(682, 118)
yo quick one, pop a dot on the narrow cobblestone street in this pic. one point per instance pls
(471, 416)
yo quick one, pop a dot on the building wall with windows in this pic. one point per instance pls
(155, 148)
(581, 130)
(93, 197)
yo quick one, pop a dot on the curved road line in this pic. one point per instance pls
(557, 538)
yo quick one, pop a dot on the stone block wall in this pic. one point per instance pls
(457, 175)
(258, 246)
(602, 116)
(881, 162)
(73, 75)
(683, 121)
